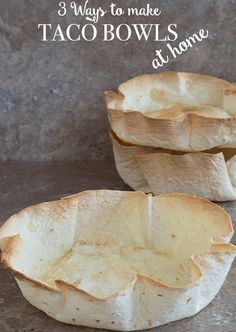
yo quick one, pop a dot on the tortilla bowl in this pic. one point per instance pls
(210, 174)
(119, 260)
(173, 110)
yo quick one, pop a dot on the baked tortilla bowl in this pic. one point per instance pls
(210, 174)
(119, 260)
(173, 110)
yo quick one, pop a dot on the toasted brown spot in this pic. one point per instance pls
(97, 320)
(82, 242)
(51, 230)
(160, 295)
(157, 94)
(230, 92)
(143, 293)
(181, 266)
(188, 300)
(73, 319)
(78, 309)
(173, 236)
(149, 323)
(113, 323)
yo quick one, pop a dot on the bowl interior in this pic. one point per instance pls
(169, 94)
(99, 241)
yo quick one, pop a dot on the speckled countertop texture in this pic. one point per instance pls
(24, 184)
(51, 94)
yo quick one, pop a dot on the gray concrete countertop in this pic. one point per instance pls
(24, 184)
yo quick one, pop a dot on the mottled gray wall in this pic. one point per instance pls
(51, 94)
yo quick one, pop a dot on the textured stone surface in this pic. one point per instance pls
(51, 94)
(24, 184)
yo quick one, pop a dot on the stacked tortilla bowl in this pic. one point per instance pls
(176, 132)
